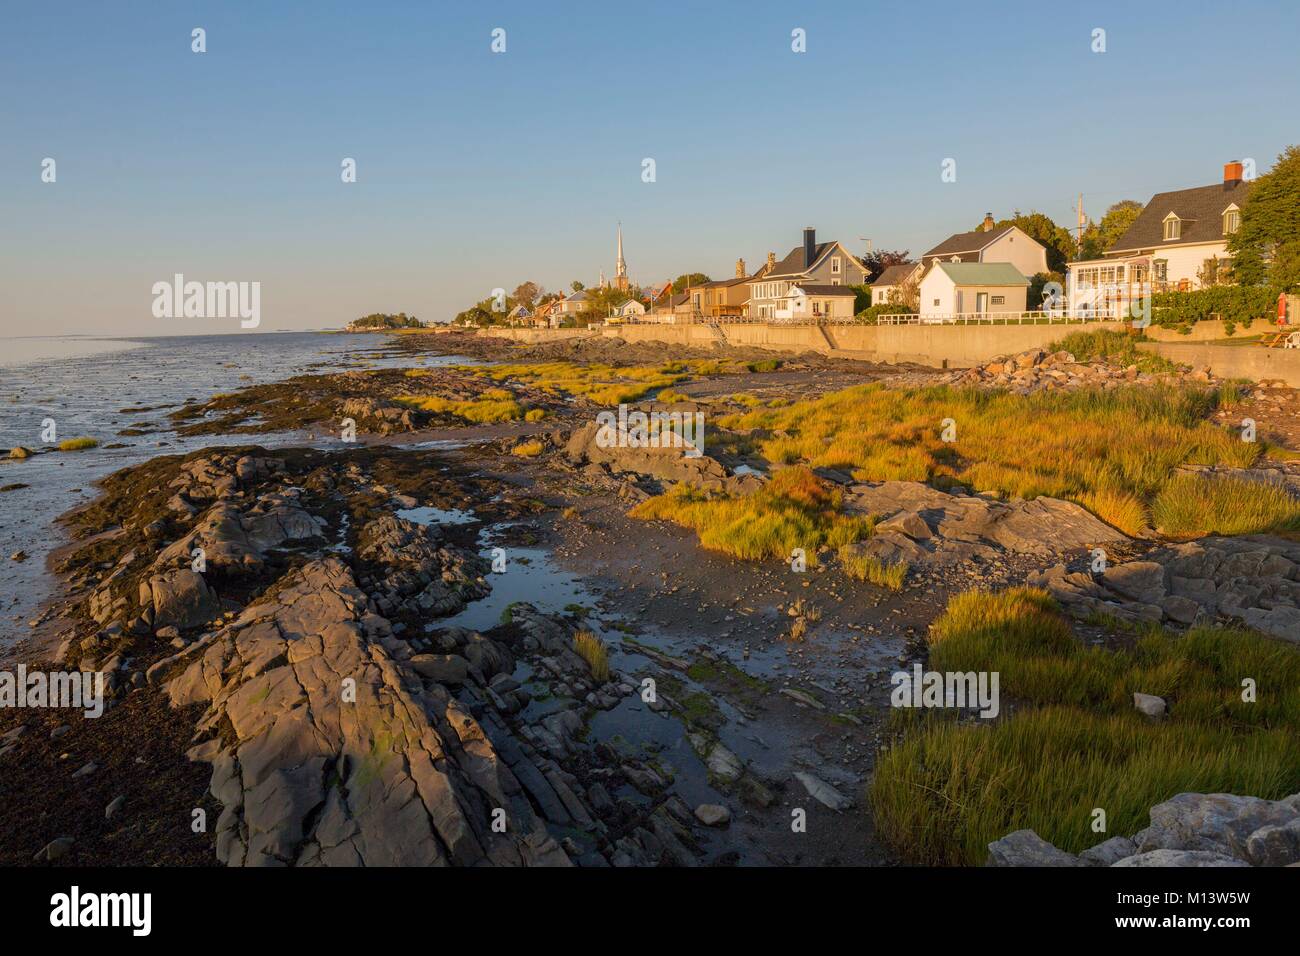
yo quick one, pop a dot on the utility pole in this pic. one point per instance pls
(1081, 222)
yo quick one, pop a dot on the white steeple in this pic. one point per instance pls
(620, 267)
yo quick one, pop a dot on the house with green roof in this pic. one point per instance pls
(968, 288)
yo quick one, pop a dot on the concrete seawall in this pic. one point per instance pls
(1234, 361)
(942, 346)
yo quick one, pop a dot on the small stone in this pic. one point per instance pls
(54, 849)
(113, 807)
(713, 815)
(86, 770)
(1149, 704)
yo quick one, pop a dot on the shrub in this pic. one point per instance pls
(1239, 305)
(872, 314)
(18, 452)
(534, 414)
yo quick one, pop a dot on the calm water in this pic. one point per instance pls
(84, 383)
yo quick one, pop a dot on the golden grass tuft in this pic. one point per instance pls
(528, 449)
(868, 567)
(77, 444)
(1193, 505)
(492, 407)
(592, 650)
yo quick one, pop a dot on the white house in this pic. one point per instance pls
(890, 284)
(629, 308)
(809, 301)
(1177, 243)
(1010, 244)
(965, 288)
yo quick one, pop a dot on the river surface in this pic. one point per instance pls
(84, 386)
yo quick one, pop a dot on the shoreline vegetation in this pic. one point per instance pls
(790, 443)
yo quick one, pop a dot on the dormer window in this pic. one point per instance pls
(1173, 227)
(1231, 220)
(835, 265)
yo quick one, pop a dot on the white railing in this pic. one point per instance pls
(1056, 317)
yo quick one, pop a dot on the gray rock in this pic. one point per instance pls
(823, 792)
(180, 598)
(1215, 822)
(1275, 844)
(55, 849)
(713, 815)
(1027, 848)
(1149, 704)
(723, 764)
(443, 668)
(116, 804)
(1110, 852)
(1142, 581)
(1194, 858)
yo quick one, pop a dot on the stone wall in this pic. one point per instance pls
(1235, 361)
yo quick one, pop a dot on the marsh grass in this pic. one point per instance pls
(1193, 505)
(1074, 742)
(77, 444)
(1111, 451)
(602, 383)
(867, 567)
(794, 509)
(592, 650)
(1120, 348)
(493, 405)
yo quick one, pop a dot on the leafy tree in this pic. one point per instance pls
(1097, 238)
(1034, 295)
(881, 259)
(576, 286)
(1039, 226)
(382, 320)
(689, 279)
(526, 294)
(1270, 221)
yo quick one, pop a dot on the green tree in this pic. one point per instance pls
(1039, 226)
(576, 286)
(689, 279)
(1270, 221)
(526, 294)
(1097, 238)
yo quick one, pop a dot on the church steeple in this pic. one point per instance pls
(620, 266)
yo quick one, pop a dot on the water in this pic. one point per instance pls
(84, 384)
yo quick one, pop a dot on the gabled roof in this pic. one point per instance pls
(811, 289)
(967, 242)
(983, 273)
(578, 296)
(893, 275)
(793, 264)
(1201, 210)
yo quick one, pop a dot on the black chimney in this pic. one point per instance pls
(809, 246)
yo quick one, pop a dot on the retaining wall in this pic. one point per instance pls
(1234, 361)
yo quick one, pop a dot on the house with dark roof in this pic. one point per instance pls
(721, 298)
(813, 262)
(1010, 244)
(890, 285)
(972, 288)
(1178, 242)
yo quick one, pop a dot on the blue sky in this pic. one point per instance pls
(479, 170)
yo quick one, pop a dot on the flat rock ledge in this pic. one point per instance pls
(923, 525)
(1254, 579)
(1192, 829)
(326, 750)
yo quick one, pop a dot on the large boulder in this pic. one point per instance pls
(179, 598)
(1214, 822)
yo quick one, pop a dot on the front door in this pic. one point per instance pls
(981, 303)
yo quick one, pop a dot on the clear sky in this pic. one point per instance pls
(478, 170)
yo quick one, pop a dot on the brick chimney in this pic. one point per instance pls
(1232, 173)
(771, 261)
(809, 245)
(740, 269)
(988, 222)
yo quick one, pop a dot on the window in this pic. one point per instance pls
(1231, 220)
(835, 265)
(999, 300)
(936, 303)
(1173, 227)
(835, 282)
